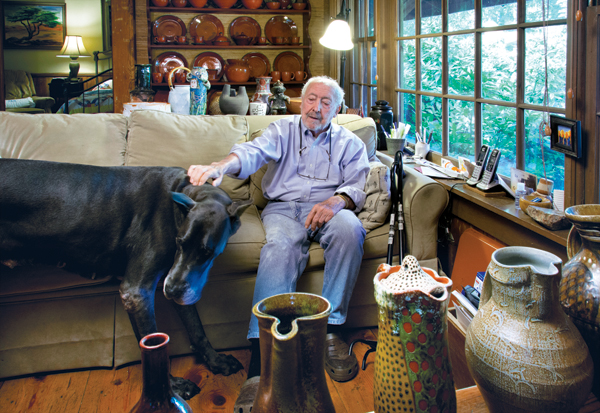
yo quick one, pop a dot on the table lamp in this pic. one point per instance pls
(74, 49)
(338, 37)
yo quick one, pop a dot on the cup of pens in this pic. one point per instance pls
(422, 143)
(396, 139)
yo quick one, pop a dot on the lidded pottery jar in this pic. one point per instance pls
(580, 283)
(292, 330)
(383, 115)
(237, 71)
(157, 395)
(522, 350)
(412, 366)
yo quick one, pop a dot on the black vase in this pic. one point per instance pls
(157, 395)
(383, 116)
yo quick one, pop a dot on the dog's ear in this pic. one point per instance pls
(235, 210)
(183, 200)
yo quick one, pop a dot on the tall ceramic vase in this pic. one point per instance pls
(522, 350)
(412, 366)
(292, 329)
(157, 395)
(580, 283)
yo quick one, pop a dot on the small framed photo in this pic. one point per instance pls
(566, 136)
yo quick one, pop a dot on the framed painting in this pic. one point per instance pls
(34, 25)
(565, 136)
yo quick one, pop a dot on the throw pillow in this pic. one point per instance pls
(256, 192)
(378, 203)
(20, 103)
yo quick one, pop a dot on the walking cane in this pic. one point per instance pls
(396, 228)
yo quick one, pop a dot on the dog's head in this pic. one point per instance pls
(210, 219)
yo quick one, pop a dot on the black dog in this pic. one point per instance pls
(138, 223)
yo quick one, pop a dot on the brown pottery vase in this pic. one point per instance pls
(412, 366)
(522, 350)
(237, 71)
(580, 283)
(157, 395)
(292, 329)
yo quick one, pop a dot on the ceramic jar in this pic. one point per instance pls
(232, 103)
(292, 330)
(522, 350)
(412, 366)
(237, 71)
(225, 4)
(157, 395)
(198, 3)
(160, 3)
(383, 115)
(580, 283)
(252, 4)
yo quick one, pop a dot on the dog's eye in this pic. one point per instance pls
(178, 240)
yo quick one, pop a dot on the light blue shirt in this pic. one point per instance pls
(334, 162)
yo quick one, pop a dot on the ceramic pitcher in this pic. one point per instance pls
(580, 283)
(292, 330)
(522, 350)
(412, 366)
(179, 96)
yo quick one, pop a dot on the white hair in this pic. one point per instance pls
(338, 92)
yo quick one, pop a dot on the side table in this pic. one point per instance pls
(61, 87)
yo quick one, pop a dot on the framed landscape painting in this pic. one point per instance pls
(34, 25)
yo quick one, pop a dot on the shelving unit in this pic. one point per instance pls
(300, 17)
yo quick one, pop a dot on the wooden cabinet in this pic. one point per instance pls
(190, 51)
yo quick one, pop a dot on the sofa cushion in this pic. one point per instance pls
(97, 139)
(166, 139)
(377, 204)
(18, 84)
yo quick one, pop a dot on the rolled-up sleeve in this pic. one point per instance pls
(260, 151)
(355, 173)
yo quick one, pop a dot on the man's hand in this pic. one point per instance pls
(199, 174)
(323, 212)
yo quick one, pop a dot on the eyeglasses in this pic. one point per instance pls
(319, 172)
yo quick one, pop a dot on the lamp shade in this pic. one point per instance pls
(73, 48)
(337, 36)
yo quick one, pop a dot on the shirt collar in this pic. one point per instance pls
(305, 132)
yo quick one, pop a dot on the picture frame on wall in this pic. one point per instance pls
(29, 25)
(565, 136)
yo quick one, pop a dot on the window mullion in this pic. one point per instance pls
(478, 55)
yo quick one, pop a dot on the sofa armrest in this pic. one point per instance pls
(424, 201)
(44, 102)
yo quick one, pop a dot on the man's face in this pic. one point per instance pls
(318, 107)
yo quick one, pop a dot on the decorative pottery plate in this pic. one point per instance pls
(207, 26)
(168, 26)
(288, 62)
(245, 25)
(280, 26)
(259, 64)
(212, 61)
(168, 61)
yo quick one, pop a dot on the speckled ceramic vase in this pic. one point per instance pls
(412, 366)
(580, 283)
(522, 350)
(292, 330)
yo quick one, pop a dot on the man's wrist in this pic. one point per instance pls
(346, 199)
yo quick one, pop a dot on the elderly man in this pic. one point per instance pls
(314, 184)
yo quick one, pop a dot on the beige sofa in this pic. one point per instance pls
(54, 320)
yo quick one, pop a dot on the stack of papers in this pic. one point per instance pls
(465, 311)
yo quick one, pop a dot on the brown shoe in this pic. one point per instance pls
(340, 364)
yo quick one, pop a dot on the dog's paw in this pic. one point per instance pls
(224, 364)
(184, 388)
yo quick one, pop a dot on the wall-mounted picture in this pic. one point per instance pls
(34, 25)
(566, 136)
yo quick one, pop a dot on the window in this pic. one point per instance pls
(473, 72)
(363, 74)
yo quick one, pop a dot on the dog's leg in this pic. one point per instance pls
(139, 304)
(217, 363)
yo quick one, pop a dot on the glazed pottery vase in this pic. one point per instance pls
(263, 91)
(580, 283)
(412, 366)
(232, 103)
(383, 115)
(199, 86)
(143, 84)
(157, 395)
(522, 350)
(292, 329)
(237, 71)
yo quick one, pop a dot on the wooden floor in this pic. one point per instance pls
(117, 391)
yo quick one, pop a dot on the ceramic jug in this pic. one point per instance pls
(199, 86)
(292, 329)
(179, 96)
(522, 350)
(412, 366)
(157, 395)
(580, 283)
